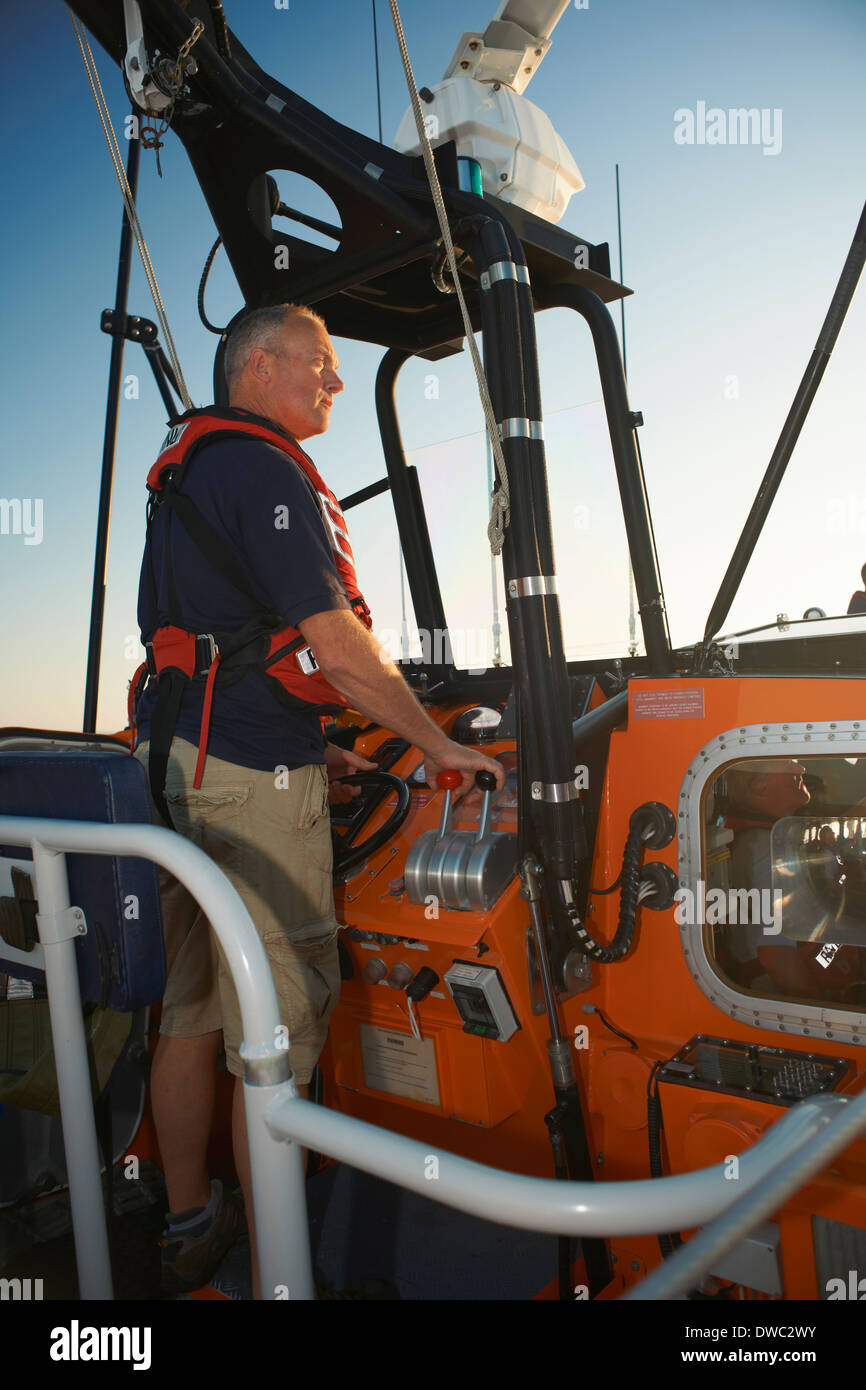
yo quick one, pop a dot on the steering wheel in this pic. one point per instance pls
(348, 855)
(826, 874)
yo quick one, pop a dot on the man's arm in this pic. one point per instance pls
(352, 660)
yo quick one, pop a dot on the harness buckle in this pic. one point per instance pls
(206, 653)
(150, 659)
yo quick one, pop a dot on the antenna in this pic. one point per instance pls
(632, 616)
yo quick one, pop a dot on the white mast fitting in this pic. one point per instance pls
(479, 104)
(137, 65)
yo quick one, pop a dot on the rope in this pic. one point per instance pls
(129, 204)
(171, 78)
(500, 498)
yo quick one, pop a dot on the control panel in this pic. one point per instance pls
(770, 1074)
(481, 1000)
(464, 870)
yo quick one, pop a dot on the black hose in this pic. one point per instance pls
(601, 892)
(592, 1008)
(553, 1120)
(221, 32)
(667, 1243)
(201, 285)
(628, 903)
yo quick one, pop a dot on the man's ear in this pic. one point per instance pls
(259, 365)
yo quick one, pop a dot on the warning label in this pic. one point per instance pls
(669, 704)
(399, 1064)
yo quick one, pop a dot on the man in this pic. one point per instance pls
(858, 598)
(264, 537)
(759, 795)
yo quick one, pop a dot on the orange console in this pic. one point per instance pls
(441, 1032)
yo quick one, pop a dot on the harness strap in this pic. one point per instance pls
(211, 544)
(172, 683)
(205, 721)
(136, 685)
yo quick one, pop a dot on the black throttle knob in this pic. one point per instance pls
(422, 984)
(485, 780)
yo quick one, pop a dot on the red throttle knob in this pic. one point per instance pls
(449, 780)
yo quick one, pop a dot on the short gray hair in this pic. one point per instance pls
(260, 328)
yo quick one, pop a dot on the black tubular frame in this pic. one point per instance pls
(538, 653)
(408, 504)
(164, 377)
(109, 443)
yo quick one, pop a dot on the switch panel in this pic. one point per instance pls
(481, 1000)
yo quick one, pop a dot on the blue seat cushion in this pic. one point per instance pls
(121, 960)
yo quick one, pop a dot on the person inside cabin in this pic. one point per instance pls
(247, 545)
(758, 795)
(858, 598)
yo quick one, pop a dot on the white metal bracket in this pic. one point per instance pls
(61, 926)
(136, 63)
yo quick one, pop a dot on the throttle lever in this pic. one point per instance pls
(486, 782)
(449, 780)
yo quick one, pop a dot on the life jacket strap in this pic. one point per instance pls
(205, 721)
(191, 652)
(136, 686)
(172, 683)
(176, 658)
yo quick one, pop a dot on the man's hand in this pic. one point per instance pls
(350, 658)
(341, 762)
(466, 761)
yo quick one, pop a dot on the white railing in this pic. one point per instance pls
(279, 1121)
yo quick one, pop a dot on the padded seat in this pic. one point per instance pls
(121, 959)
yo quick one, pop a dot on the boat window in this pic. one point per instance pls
(590, 550)
(376, 546)
(784, 881)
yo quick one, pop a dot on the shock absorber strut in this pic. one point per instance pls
(565, 1123)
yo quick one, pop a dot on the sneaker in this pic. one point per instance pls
(192, 1255)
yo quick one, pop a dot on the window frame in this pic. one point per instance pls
(842, 737)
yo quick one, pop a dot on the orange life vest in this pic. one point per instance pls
(176, 654)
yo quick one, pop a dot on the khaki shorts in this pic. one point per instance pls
(270, 833)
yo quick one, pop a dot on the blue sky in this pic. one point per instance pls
(733, 255)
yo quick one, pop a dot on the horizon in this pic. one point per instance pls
(733, 249)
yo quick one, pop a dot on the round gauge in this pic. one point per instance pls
(478, 725)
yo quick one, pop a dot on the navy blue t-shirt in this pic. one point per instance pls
(256, 497)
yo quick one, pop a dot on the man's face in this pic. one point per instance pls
(303, 380)
(781, 793)
(789, 790)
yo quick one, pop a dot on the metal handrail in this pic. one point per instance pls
(686, 1268)
(277, 1175)
(794, 1148)
(635, 1207)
